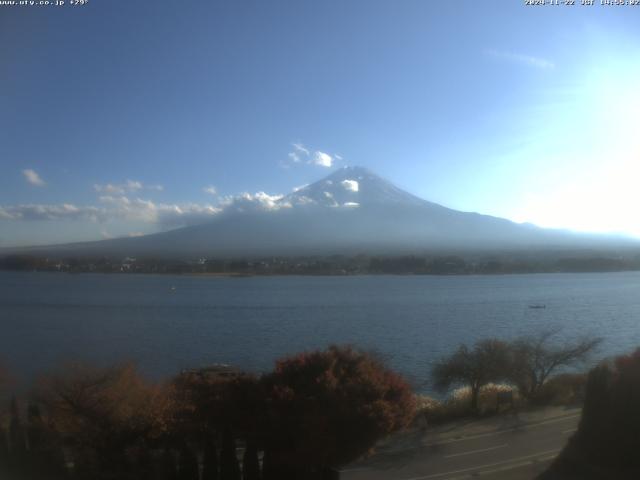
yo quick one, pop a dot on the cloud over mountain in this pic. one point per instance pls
(301, 155)
(351, 210)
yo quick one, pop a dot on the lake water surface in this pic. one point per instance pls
(166, 322)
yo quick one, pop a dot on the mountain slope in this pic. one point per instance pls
(350, 211)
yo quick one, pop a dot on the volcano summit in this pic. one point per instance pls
(350, 211)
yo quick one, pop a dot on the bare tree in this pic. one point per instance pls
(487, 362)
(536, 358)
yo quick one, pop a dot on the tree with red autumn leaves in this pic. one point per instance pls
(327, 408)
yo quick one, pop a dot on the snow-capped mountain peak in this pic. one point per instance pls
(351, 187)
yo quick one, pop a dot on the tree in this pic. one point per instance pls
(187, 464)
(16, 432)
(104, 416)
(536, 358)
(487, 362)
(35, 427)
(208, 400)
(4, 454)
(229, 467)
(218, 402)
(168, 465)
(250, 462)
(17, 439)
(327, 408)
(210, 459)
(44, 456)
(606, 442)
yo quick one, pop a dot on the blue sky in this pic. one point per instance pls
(116, 117)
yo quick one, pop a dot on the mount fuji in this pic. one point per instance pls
(350, 211)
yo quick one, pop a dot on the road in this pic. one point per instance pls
(518, 449)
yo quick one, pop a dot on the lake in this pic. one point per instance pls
(166, 322)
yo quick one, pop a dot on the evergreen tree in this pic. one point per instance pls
(35, 441)
(45, 455)
(144, 464)
(229, 467)
(250, 462)
(210, 460)
(187, 464)
(4, 453)
(276, 467)
(55, 463)
(35, 428)
(168, 467)
(268, 470)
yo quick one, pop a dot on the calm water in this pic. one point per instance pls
(47, 318)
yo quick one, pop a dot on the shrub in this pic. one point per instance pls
(457, 405)
(329, 407)
(563, 389)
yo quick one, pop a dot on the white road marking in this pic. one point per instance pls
(359, 469)
(475, 451)
(484, 435)
(504, 469)
(488, 465)
(499, 432)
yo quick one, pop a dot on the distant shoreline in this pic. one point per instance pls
(357, 274)
(505, 263)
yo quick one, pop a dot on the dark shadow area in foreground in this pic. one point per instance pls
(606, 444)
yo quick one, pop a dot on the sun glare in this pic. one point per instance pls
(602, 192)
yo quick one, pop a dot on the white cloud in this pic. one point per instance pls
(303, 200)
(521, 59)
(109, 188)
(322, 159)
(301, 148)
(115, 208)
(351, 204)
(133, 185)
(146, 211)
(33, 178)
(259, 201)
(124, 208)
(350, 185)
(294, 157)
(51, 212)
(296, 189)
(302, 155)
(211, 190)
(299, 153)
(130, 186)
